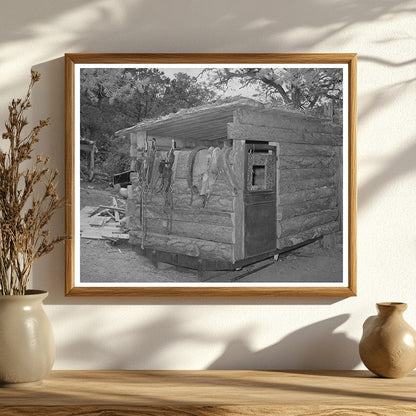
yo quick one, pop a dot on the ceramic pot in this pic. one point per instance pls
(388, 344)
(27, 347)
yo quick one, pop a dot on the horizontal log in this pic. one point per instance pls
(287, 186)
(192, 215)
(305, 207)
(302, 162)
(323, 138)
(209, 232)
(220, 187)
(184, 245)
(238, 131)
(295, 149)
(215, 202)
(309, 173)
(307, 195)
(302, 223)
(286, 119)
(303, 236)
(276, 134)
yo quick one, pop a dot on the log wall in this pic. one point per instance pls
(188, 226)
(309, 187)
(309, 175)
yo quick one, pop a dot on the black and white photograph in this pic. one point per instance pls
(211, 175)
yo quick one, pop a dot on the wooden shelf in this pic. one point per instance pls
(202, 393)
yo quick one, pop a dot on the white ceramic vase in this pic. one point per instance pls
(27, 347)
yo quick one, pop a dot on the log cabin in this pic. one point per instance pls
(224, 185)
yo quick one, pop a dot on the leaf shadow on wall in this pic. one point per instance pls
(402, 163)
(105, 26)
(151, 345)
(149, 22)
(313, 347)
(143, 346)
(395, 168)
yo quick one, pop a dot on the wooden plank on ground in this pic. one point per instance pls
(91, 232)
(97, 221)
(115, 236)
(116, 213)
(113, 208)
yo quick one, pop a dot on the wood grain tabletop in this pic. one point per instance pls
(242, 393)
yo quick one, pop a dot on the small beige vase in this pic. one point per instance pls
(27, 347)
(388, 345)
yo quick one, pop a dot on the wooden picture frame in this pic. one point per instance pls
(256, 165)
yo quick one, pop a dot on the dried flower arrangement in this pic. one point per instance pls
(28, 199)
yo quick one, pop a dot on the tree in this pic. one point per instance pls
(115, 98)
(300, 88)
(185, 91)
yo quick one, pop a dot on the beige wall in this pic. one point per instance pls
(194, 333)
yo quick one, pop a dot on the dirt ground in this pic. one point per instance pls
(103, 261)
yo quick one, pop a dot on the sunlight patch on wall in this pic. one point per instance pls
(258, 24)
(67, 32)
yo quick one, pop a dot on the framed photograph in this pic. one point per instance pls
(211, 174)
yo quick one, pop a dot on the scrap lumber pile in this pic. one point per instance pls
(104, 222)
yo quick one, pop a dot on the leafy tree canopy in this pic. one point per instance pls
(115, 98)
(300, 88)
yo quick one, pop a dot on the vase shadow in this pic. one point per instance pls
(314, 347)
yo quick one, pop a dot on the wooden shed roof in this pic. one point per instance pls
(203, 122)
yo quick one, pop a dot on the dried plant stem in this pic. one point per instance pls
(23, 217)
